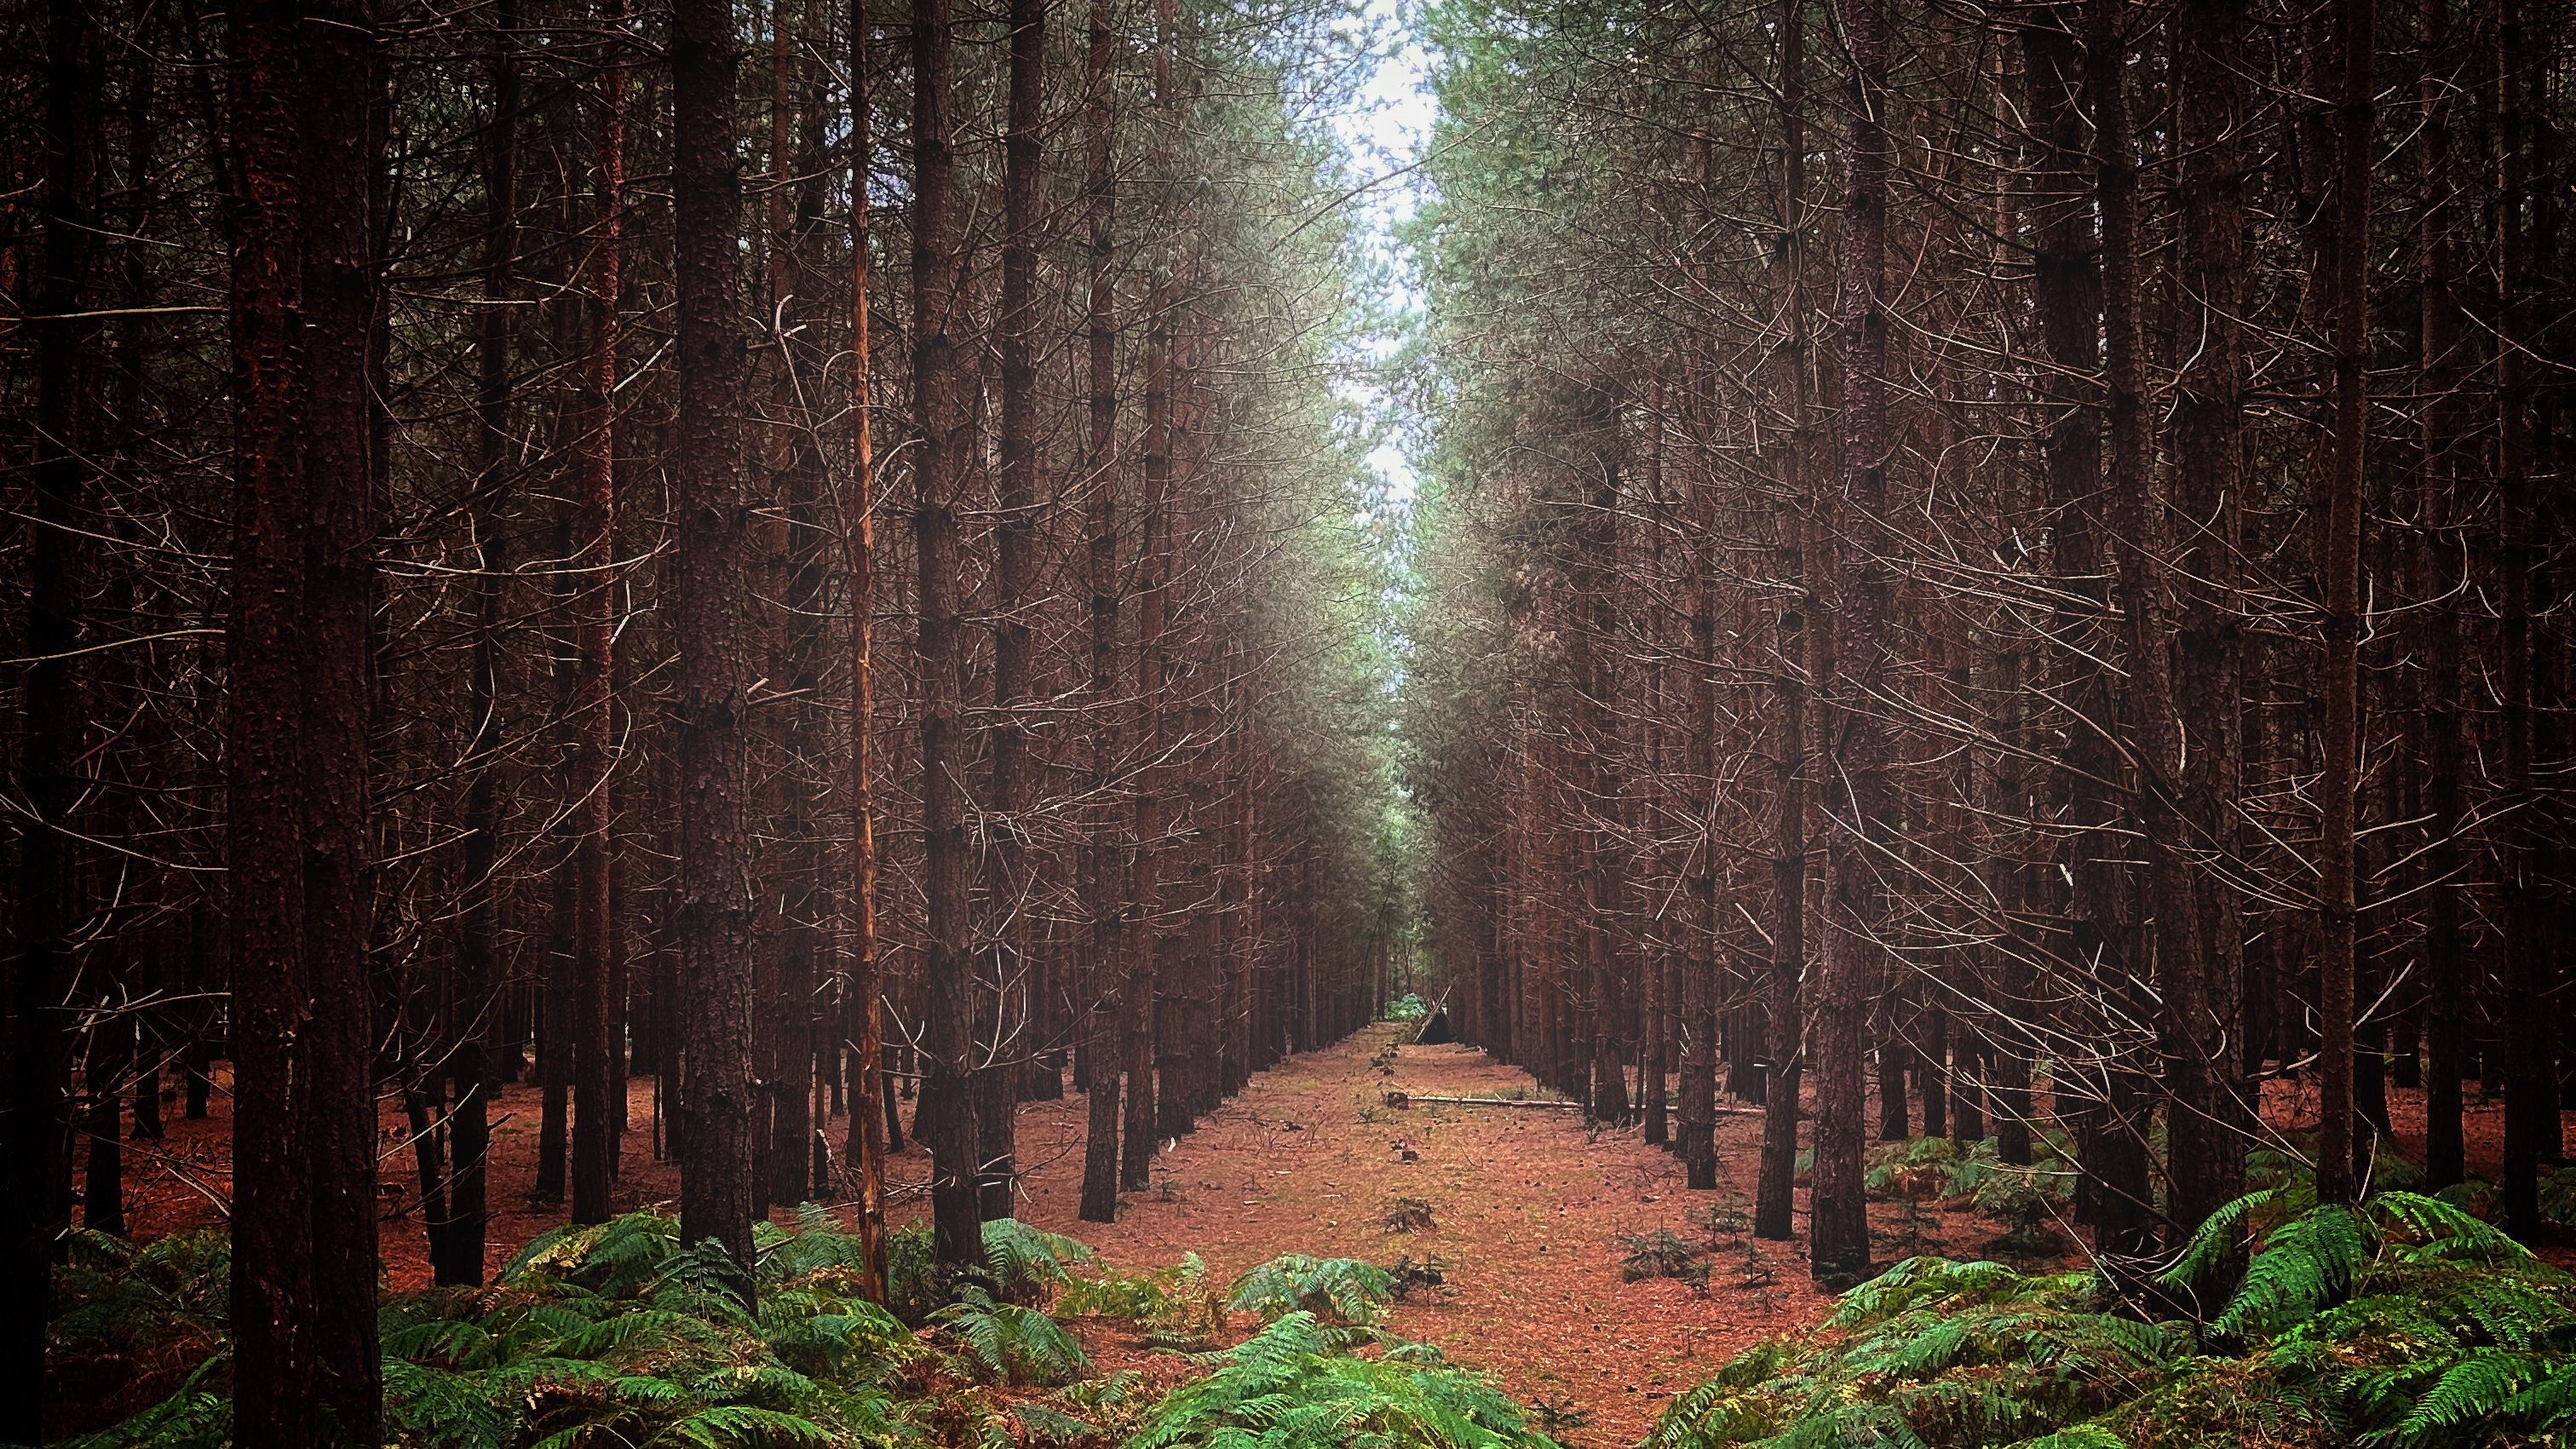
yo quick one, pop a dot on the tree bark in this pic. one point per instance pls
(1102, 975)
(307, 127)
(36, 1129)
(2440, 558)
(2531, 1128)
(1015, 584)
(2213, 1118)
(1856, 788)
(2341, 1162)
(870, 1102)
(939, 378)
(2195, 1042)
(1794, 650)
(473, 1001)
(595, 1123)
(710, 572)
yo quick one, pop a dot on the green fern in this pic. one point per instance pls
(606, 1335)
(1045, 1424)
(1014, 1343)
(2404, 1323)
(739, 1426)
(1297, 1385)
(1029, 1266)
(2079, 1436)
(1112, 1295)
(1176, 1305)
(198, 1416)
(2311, 1261)
(1343, 1288)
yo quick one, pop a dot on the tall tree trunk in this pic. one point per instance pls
(1103, 978)
(939, 380)
(1662, 974)
(306, 125)
(2068, 300)
(710, 570)
(1794, 640)
(37, 1123)
(2339, 1174)
(2211, 1125)
(1016, 536)
(1701, 762)
(2440, 559)
(870, 1102)
(2196, 1042)
(595, 1122)
(1153, 602)
(2531, 1127)
(794, 150)
(275, 1353)
(473, 999)
(36, 1129)
(1856, 787)
(1595, 511)
(343, 137)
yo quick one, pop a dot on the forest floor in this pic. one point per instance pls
(1528, 1208)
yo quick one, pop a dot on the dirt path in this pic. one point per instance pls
(1527, 1207)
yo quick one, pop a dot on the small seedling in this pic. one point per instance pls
(1661, 1255)
(1408, 1215)
(1727, 1220)
(1758, 1270)
(1426, 1274)
(1914, 1226)
(1555, 1416)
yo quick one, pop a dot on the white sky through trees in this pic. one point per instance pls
(1384, 133)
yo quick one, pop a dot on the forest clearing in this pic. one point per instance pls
(1270, 724)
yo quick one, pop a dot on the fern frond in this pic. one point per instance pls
(431, 1406)
(1923, 1280)
(2472, 1389)
(2441, 1232)
(2076, 1436)
(1045, 1425)
(1028, 1264)
(2215, 1243)
(2308, 1263)
(1343, 1288)
(199, 1415)
(737, 1426)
